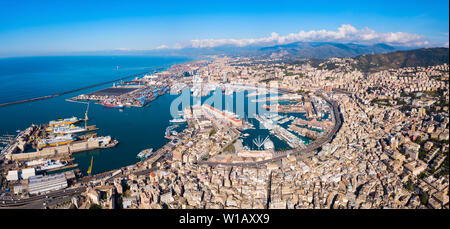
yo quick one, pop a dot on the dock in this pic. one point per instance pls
(92, 128)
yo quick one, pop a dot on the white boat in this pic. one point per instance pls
(66, 121)
(52, 165)
(68, 129)
(60, 140)
(36, 162)
(144, 153)
(103, 140)
(178, 120)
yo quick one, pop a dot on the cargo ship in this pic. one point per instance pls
(60, 140)
(144, 153)
(66, 121)
(112, 105)
(67, 129)
(51, 164)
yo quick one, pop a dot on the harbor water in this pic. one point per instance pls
(135, 128)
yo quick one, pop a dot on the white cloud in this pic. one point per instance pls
(345, 33)
(162, 47)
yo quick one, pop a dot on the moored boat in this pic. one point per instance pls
(67, 129)
(144, 153)
(51, 164)
(112, 105)
(66, 121)
(59, 140)
(178, 120)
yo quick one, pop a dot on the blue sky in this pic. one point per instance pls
(46, 27)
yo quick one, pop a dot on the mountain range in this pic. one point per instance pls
(324, 50)
(297, 50)
(369, 57)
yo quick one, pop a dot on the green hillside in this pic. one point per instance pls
(399, 59)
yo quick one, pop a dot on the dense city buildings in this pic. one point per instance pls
(375, 140)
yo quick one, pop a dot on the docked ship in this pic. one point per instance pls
(36, 162)
(112, 105)
(178, 120)
(66, 121)
(104, 141)
(59, 140)
(51, 164)
(67, 129)
(144, 154)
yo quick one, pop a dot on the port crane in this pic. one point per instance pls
(86, 116)
(90, 167)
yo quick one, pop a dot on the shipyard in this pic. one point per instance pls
(36, 153)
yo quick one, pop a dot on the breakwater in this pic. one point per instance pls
(75, 90)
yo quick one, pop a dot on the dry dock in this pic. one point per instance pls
(59, 151)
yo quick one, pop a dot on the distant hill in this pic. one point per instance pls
(419, 57)
(324, 50)
(292, 51)
(296, 50)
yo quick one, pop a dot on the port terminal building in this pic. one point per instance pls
(40, 184)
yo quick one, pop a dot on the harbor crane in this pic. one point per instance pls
(90, 167)
(86, 116)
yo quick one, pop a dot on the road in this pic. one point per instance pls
(14, 201)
